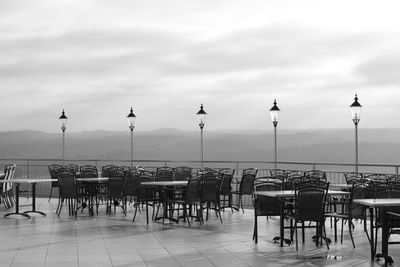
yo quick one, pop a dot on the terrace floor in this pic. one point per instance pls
(116, 241)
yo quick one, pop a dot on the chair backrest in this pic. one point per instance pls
(359, 191)
(210, 186)
(315, 175)
(310, 203)
(353, 177)
(8, 175)
(182, 173)
(226, 183)
(226, 170)
(67, 181)
(247, 182)
(164, 174)
(192, 194)
(293, 178)
(72, 167)
(132, 183)
(278, 173)
(116, 183)
(264, 205)
(106, 169)
(88, 171)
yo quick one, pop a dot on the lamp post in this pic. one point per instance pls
(274, 111)
(201, 116)
(131, 121)
(355, 109)
(63, 121)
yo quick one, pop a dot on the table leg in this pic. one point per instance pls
(34, 202)
(17, 204)
(371, 218)
(385, 235)
(147, 204)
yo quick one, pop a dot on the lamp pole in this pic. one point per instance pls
(131, 121)
(355, 109)
(201, 116)
(63, 120)
(274, 111)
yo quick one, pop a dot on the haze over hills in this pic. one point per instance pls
(319, 145)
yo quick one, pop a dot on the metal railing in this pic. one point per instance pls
(37, 168)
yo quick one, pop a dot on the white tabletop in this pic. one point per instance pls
(290, 193)
(165, 183)
(92, 179)
(378, 202)
(27, 181)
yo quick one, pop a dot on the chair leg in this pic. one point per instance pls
(297, 238)
(351, 234)
(51, 193)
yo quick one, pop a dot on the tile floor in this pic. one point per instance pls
(116, 241)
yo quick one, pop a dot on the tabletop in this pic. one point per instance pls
(165, 183)
(291, 193)
(378, 202)
(28, 181)
(92, 179)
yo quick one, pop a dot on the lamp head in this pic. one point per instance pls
(274, 111)
(201, 116)
(355, 109)
(131, 119)
(63, 121)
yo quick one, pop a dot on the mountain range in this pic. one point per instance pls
(315, 145)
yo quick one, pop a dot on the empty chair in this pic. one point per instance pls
(351, 210)
(88, 171)
(72, 168)
(115, 191)
(353, 177)
(210, 193)
(264, 205)
(246, 185)
(131, 190)
(68, 192)
(164, 174)
(182, 173)
(53, 170)
(309, 206)
(7, 192)
(226, 189)
(315, 175)
(293, 178)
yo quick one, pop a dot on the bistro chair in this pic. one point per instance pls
(354, 177)
(210, 193)
(7, 190)
(190, 204)
(53, 170)
(246, 186)
(131, 190)
(115, 191)
(182, 173)
(264, 205)
(226, 189)
(68, 192)
(309, 206)
(351, 210)
(88, 171)
(293, 178)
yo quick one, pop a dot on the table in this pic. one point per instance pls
(285, 194)
(162, 185)
(91, 182)
(33, 183)
(372, 203)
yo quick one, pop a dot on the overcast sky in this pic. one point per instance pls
(96, 59)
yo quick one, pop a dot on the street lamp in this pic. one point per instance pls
(131, 121)
(63, 122)
(201, 116)
(274, 111)
(355, 109)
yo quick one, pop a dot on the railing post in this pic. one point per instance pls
(28, 172)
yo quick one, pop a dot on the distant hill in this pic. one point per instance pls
(319, 145)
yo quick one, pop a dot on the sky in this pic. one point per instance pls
(96, 59)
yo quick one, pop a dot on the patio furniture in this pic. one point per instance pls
(246, 186)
